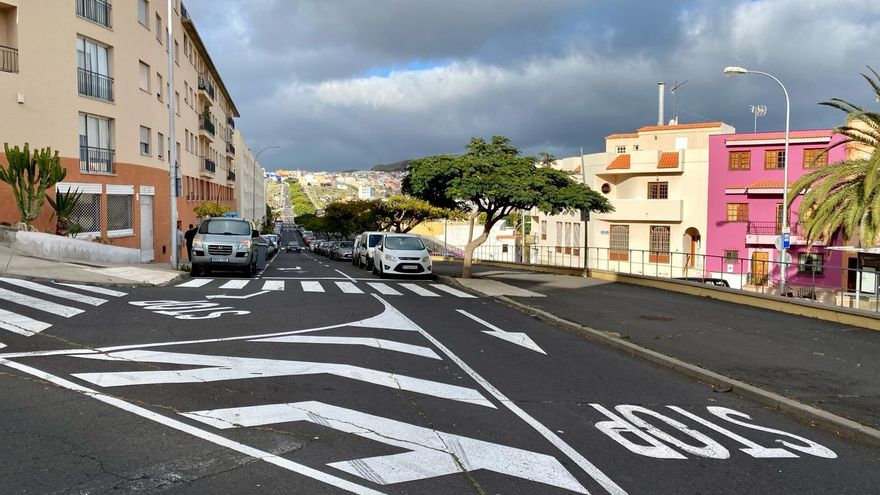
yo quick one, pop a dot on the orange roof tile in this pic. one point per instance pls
(775, 136)
(766, 184)
(678, 127)
(668, 160)
(619, 162)
(622, 136)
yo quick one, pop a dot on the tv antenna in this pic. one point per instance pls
(674, 92)
(759, 111)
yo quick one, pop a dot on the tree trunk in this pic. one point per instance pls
(469, 251)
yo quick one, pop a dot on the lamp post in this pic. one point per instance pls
(254, 193)
(786, 230)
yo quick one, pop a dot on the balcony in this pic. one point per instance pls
(95, 160)
(230, 176)
(94, 85)
(206, 89)
(651, 162)
(8, 59)
(206, 127)
(644, 210)
(208, 167)
(765, 233)
(230, 149)
(230, 122)
(97, 11)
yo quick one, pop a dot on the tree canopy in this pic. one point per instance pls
(403, 213)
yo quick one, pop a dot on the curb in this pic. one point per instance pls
(814, 415)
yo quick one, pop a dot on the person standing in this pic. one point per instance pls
(189, 236)
(180, 241)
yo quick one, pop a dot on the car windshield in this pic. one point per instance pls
(404, 243)
(374, 239)
(225, 227)
(346, 244)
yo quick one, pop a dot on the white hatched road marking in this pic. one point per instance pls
(311, 286)
(235, 284)
(96, 290)
(384, 289)
(21, 324)
(389, 345)
(420, 290)
(52, 291)
(196, 282)
(451, 290)
(348, 288)
(40, 304)
(273, 285)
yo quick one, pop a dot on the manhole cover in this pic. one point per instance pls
(656, 317)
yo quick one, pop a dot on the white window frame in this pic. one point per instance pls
(141, 66)
(120, 190)
(145, 21)
(148, 132)
(160, 146)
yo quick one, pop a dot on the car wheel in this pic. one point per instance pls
(375, 270)
(381, 271)
(196, 270)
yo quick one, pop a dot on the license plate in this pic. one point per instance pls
(219, 260)
(409, 267)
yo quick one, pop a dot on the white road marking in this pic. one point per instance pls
(196, 282)
(311, 286)
(2, 345)
(273, 285)
(235, 284)
(389, 345)
(223, 296)
(607, 483)
(517, 338)
(430, 453)
(384, 289)
(452, 290)
(222, 368)
(197, 432)
(21, 324)
(348, 288)
(97, 290)
(420, 290)
(52, 291)
(345, 275)
(33, 302)
(296, 268)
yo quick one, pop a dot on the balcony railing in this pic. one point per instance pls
(95, 85)
(95, 160)
(230, 122)
(205, 85)
(8, 59)
(206, 124)
(230, 175)
(95, 10)
(230, 148)
(770, 228)
(208, 165)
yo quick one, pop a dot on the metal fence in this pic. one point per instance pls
(94, 84)
(95, 10)
(95, 160)
(8, 59)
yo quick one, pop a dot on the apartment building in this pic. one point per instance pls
(89, 78)
(745, 214)
(250, 186)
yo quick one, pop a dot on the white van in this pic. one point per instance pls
(401, 254)
(363, 250)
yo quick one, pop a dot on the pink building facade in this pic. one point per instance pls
(745, 211)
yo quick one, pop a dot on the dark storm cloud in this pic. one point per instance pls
(552, 75)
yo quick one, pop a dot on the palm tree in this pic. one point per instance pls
(64, 205)
(845, 196)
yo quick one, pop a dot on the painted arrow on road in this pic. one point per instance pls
(222, 296)
(517, 338)
(296, 268)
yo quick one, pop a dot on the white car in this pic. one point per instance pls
(401, 254)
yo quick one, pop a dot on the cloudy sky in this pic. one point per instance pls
(342, 84)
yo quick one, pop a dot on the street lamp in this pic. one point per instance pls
(786, 230)
(254, 192)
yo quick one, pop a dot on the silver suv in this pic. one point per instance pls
(225, 243)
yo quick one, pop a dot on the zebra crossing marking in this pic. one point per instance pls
(420, 290)
(312, 286)
(273, 285)
(235, 284)
(384, 289)
(452, 290)
(96, 290)
(21, 324)
(40, 304)
(348, 288)
(196, 282)
(52, 291)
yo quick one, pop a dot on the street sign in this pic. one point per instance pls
(785, 257)
(786, 240)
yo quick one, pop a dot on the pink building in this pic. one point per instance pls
(745, 210)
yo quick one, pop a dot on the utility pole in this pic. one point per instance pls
(172, 149)
(586, 220)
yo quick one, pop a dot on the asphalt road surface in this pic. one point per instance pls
(316, 377)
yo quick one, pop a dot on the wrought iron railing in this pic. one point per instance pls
(8, 59)
(206, 124)
(95, 10)
(230, 175)
(95, 160)
(208, 165)
(205, 85)
(230, 148)
(231, 122)
(770, 228)
(95, 85)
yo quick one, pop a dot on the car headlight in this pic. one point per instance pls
(426, 259)
(390, 257)
(244, 245)
(197, 243)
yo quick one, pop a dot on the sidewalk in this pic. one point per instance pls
(830, 366)
(21, 266)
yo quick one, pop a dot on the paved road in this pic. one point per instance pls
(317, 377)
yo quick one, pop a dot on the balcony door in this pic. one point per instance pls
(93, 74)
(96, 154)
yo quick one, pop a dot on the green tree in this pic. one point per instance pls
(299, 200)
(63, 205)
(844, 197)
(346, 218)
(30, 176)
(492, 178)
(403, 213)
(318, 225)
(211, 209)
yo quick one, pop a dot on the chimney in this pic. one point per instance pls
(661, 92)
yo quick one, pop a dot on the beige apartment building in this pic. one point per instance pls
(89, 78)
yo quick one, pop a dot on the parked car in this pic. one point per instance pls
(364, 250)
(292, 247)
(403, 254)
(272, 246)
(225, 243)
(718, 282)
(341, 250)
(328, 248)
(357, 240)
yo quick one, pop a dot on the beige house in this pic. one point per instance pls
(90, 79)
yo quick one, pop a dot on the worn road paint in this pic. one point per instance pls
(273, 285)
(197, 432)
(52, 291)
(248, 296)
(419, 290)
(517, 338)
(388, 345)
(40, 304)
(196, 282)
(295, 268)
(452, 290)
(221, 368)
(235, 284)
(345, 275)
(707, 447)
(384, 289)
(431, 453)
(182, 310)
(97, 290)
(751, 448)
(21, 324)
(312, 286)
(348, 288)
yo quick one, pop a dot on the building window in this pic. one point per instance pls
(176, 52)
(95, 152)
(186, 46)
(177, 103)
(186, 92)
(567, 243)
(576, 238)
(635, 147)
(160, 85)
(737, 212)
(543, 230)
(739, 160)
(815, 157)
(810, 263)
(144, 77)
(659, 249)
(158, 28)
(97, 11)
(619, 246)
(93, 69)
(658, 190)
(145, 141)
(144, 13)
(120, 215)
(558, 239)
(621, 149)
(731, 256)
(87, 214)
(160, 143)
(774, 159)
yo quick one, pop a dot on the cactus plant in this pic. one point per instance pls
(30, 176)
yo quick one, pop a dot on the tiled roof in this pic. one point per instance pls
(619, 162)
(776, 136)
(678, 127)
(766, 184)
(622, 136)
(668, 160)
